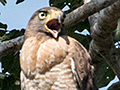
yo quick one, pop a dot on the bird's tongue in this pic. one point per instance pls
(54, 25)
(54, 31)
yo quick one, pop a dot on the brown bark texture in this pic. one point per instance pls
(102, 44)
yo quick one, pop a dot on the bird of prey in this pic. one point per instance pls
(51, 60)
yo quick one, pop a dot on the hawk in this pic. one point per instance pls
(51, 60)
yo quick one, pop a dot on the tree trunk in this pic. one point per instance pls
(102, 44)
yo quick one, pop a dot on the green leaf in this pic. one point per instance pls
(85, 40)
(57, 3)
(12, 34)
(73, 4)
(3, 2)
(9, 83)
(81, 26)
(2, 32)
(4, 26)
(2, 75)
(10, 63)
(104, 74)
(19, 1)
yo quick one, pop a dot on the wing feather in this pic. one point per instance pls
(84, 69)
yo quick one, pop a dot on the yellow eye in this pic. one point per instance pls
(42, 15)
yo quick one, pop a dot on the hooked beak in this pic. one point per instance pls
(53, 25)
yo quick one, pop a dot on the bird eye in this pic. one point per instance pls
(42, 15)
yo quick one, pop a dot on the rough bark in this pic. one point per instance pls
(102, 44)
(10, 46)
(86, 10)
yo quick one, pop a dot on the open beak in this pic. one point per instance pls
(53, 25)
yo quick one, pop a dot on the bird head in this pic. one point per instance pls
(48, 20)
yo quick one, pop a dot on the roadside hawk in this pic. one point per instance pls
(51, 60)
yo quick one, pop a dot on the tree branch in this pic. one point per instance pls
(86, 10)
(101, 32)
(10, 46)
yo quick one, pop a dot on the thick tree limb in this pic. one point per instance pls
(10, 46)
(101, 32)
(86, 10)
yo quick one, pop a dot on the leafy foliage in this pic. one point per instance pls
(10, 62)
(9, 83)
(85, 40)
(2, 32)
(4, 26)
(73, 4)
(11, 34)
(11, 65)
(57, 3)
(104, 74)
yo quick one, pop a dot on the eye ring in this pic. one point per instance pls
(42, 15)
